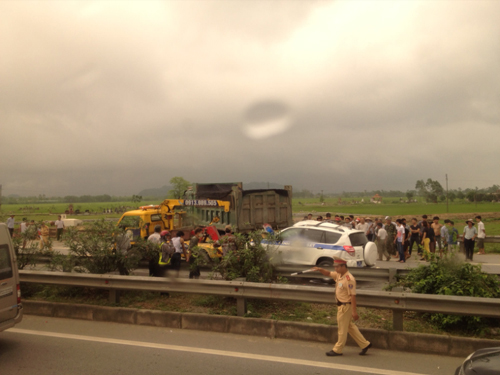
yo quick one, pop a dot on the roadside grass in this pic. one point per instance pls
(389, 206)
(49, 211)
(216, 305)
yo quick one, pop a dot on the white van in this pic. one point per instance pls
(11, 309)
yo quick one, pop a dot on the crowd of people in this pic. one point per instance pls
(31, 231)
(397, 239)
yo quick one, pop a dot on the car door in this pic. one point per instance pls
(291, 244)
(8, 284)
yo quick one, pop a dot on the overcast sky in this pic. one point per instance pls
(113, 97)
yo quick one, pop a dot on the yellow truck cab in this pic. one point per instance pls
(11, 308)
(169, 215)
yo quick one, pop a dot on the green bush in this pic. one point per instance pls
(452, 277)
(94, 248)
(248, 259)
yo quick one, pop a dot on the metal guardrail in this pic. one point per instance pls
(241, 290)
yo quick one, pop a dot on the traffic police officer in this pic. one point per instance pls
(345, 294)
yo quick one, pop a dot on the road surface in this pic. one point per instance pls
(52, 346)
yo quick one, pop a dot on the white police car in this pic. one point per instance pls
(311, 242)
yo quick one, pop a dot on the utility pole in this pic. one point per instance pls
(447, 209)
(475, 197)
(0, 197)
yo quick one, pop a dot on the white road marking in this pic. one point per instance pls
(333, 366)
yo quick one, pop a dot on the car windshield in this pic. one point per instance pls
(131, 221)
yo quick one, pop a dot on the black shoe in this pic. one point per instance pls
(363, 351)
(331, 353)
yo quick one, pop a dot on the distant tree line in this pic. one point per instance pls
(70, 199)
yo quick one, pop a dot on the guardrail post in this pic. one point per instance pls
(241, 306)
(392, 275)
(241, 303)
(114, 296)
(397, 320)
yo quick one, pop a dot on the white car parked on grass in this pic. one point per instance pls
(311, 242)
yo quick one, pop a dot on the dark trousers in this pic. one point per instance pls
(176, 261)
(11, 231)
(401, 251)
(195, 272)
(413, 240)
(59, 233)
(432, 246)
(469, 248)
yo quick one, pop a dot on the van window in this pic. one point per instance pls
(5, 263)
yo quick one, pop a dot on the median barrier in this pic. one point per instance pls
(274, 329)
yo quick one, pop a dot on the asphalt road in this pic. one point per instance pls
(51, 346)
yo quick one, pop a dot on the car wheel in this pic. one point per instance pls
(325, 263)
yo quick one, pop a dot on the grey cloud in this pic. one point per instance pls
(97, 98)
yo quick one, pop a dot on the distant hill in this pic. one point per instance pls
(156, 192)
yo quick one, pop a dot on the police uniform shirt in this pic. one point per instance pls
(345, 286)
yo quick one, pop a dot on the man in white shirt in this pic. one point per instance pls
(10, 225)
(363, 225)
(382, 242)
(24, 228)
(60, 227)
(481, 235)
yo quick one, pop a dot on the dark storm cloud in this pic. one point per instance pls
(98, 97)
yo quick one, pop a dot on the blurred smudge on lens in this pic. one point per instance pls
(265, 119)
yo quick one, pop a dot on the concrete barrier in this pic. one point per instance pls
(381, 339)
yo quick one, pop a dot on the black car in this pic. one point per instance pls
(482, 362)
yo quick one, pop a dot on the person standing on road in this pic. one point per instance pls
(123, 245)
(382, 242)
(24, 228)
(436, 226)
(391, 235)
(452, 236)
(470, 234)
(481, 235)
(426, 230)
(363, 225)
(44, 237)
(345, 294)
(180, 248)
(444, 238)
(399, 240)
(406, 242)
(155, 238)
(60, 227)
(194, 271)
(370, 231)
(414, 235)
(10, 225)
